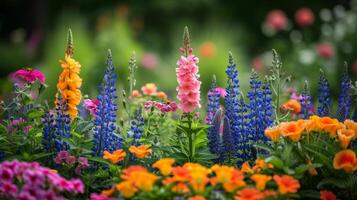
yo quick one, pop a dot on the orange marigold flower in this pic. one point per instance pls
(126, 174)
(140, 151)
(199, 174)
(351, 125)
(345, 136)
(293, 105)
(115, 157)
(327, 195)
(164, 165)
(236, 181)
(273, 133)
(108, 192)
(180, 188)
(196, 198)
(149, 89)
(143, 180)
(126, 188)
(161, 95)
(69, 83)
(346, 160)
(291, 130)
(269, 193)
(246, 168)
(223, 173)
(261, 164)
(286, 184)
(136, 93)
(305, 124)
(260, 180)
(181, 174)
(249, 194)
(330, 125)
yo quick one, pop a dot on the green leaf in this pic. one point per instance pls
(34, 113)
(277, 162)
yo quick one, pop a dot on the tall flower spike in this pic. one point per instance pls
(105, 137)
(306, 102)
(48, 131)
(268, 105)
(62, 125)
(136, 127)
(324, 99)
(244, 147)
(232, 101)
(228, 150)
(69, 82)
(187, 78)
(214, 138)
(344, 99)
(256, 125)
(213, 101)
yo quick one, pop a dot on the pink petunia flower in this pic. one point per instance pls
(27, 76)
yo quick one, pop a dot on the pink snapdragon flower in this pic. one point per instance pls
(91, 105)
(188, 83)
(27, 76)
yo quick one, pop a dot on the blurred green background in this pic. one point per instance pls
(33, 34)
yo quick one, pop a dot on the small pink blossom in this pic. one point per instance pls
(8, 189)
(325, 50)
(95, 196)
(276, 20)
(70, 160)
(304, 17)
(169, 106)
(27, 76)
(188, 83)
(78, 186)
(258, 64)
(91, 105)
(149, 61)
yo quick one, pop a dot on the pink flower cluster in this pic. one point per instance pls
(17, 125)
(64, 157)
(169, 106)
(188, 83)
(27, 75)
(95, 196)
(30, 181)
(91, 105)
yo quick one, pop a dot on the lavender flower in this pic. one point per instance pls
(305, 101)
(105, 119)
(323, 108)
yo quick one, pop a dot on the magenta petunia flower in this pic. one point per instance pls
(188, 83)
(27, 76)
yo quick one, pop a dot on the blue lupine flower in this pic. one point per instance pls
(213, 118)
(305, 101)
(214, 139)
(232, 101)
(136, 127)
(48, 132)
(268, 106)
(344, 100)
(228, 150)
(244, 147)
(104, 136)
(62, 125)
(323, 108)
(256, 115)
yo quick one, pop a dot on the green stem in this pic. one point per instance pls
(190, 140)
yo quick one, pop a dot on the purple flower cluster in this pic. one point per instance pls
(164, 107)
(64, 157)
(17, 125)
(31, 181)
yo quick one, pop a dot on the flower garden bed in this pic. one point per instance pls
(141, 145)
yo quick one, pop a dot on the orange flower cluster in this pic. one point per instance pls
(194, 179)
(135, 178)
(291, 105)
(149, 89)
(345, 132)
(346, 160)
(118, 155)
(259, 165)
(69, 83)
